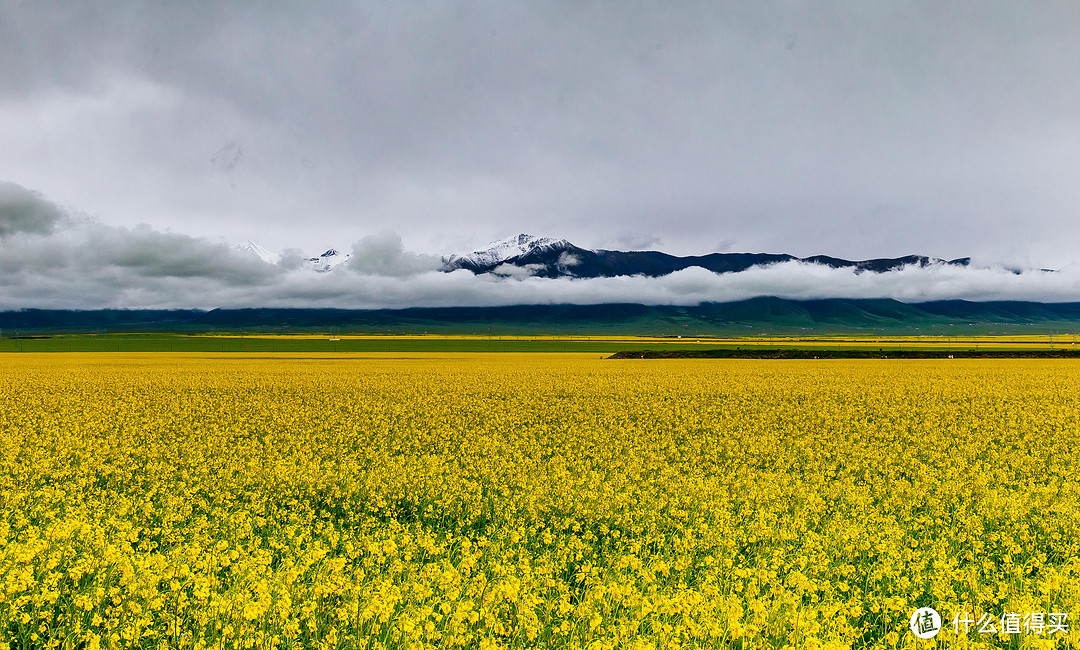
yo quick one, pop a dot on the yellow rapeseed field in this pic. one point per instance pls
(535, 501)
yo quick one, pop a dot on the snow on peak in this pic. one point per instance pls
(328, 261)
(491, 255)
(505, 249)
(248, 246)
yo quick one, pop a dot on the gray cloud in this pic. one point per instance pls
(384, 254)
(54, 260)
(92, 248)
(23, 211)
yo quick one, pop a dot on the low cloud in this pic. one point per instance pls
(150, 253)
(49, 260)
(115, 285)
(567, 260)
(383, 254)
(515, 271)
(89, 249)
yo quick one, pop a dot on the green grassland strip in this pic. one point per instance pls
(273, 345)
(803, 353)
(848, 347)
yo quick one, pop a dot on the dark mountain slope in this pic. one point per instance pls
(708, 319)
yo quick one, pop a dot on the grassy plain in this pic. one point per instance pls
(463, 499)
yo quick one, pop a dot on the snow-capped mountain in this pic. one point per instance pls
(551, 258)
(328, 261)
(249, 246)
(547, 257)
(500, 251)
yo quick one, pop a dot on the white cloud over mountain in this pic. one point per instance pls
(51, 259)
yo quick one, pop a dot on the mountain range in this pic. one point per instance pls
(327, 261)
(547, 257)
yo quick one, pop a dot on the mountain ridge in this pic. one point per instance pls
(549, 257)
(755, 315)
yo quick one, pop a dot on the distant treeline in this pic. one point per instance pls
(707, 319)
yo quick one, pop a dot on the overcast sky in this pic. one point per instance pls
(853, 129)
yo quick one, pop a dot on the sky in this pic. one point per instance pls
(139, 139)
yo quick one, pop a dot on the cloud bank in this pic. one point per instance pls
(52, 260)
